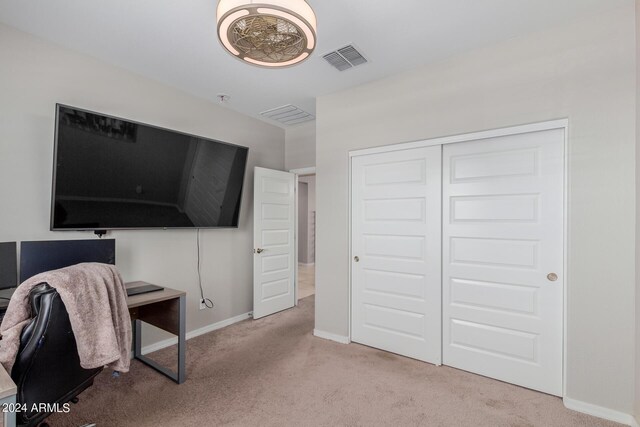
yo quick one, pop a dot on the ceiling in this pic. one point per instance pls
(175, 41)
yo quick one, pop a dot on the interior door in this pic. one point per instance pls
(396, 261)
(503, 273)
(274, 244)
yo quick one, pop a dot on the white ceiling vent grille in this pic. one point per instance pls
(288, 115)
(345, 58)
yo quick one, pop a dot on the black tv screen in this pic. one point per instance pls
(111, 173)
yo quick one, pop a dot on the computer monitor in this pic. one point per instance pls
(40, 256)
(8, 265)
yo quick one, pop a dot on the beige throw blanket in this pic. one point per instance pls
(96, 300)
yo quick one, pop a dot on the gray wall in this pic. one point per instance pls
(311, 180)
(637, 372)
(300, 151)
(34, 76)
(584, 71)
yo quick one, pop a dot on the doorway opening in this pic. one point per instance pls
(306, 235)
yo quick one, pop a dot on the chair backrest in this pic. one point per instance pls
(47, 368)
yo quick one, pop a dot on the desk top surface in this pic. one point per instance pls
(151, 297)
(8, 387)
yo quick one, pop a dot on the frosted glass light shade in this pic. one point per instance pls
(267, 33)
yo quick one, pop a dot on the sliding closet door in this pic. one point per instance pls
(503, 273)
(396, 258)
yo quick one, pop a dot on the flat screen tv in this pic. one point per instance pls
(111, 173)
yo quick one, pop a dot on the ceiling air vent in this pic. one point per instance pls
(288, 115)
(345, 58)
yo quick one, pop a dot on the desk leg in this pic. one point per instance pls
(180, 376)
(8, 418)
(137, 333)
(182, 344)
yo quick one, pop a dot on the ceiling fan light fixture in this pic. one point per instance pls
(267, 33)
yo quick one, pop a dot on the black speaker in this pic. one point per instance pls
(8, 265)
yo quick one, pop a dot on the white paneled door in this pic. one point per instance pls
(396, 243)
(274, 244)
(503, 270)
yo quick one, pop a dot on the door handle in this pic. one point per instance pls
(552, 277)
(356, 258)
(259, 250)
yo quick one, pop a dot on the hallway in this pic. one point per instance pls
(306, 280)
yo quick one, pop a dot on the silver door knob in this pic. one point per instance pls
(356, 259)
(259, 250)
(552, 277)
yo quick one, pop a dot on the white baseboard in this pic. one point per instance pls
(600, 412)
(307, 264)
(332, 337)
(195, 333)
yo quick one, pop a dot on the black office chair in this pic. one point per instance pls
(47, 368)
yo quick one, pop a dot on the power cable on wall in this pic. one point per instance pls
(206, 301)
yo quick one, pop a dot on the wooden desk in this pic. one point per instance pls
(8, 392)
(166, 310)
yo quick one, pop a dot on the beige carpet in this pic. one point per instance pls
(306, 280)
(274, 372)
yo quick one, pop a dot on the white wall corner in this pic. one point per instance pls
(600, 412)
(332, 337)
(635, 422)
